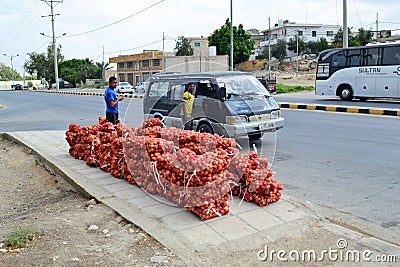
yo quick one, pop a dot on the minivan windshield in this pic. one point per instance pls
(243, 85)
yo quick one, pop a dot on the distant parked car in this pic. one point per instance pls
(124, 87)
(18, 87)
(270, 84)
(26, 87)
(141, 87)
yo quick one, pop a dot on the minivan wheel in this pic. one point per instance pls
(253, 137)
(205, 128)
(346, 94)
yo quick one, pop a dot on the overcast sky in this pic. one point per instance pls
(21, 22)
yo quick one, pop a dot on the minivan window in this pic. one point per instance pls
(159, 89)
(206, 89)
(243, 85)
(177, 91)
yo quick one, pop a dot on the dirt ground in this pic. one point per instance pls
(30, 197)
(287, 75)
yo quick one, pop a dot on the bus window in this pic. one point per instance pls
(353, 58)
(391, 55)
(370, 56)
(338, 62)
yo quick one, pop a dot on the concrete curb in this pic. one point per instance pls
(84, 93)
(332, 108)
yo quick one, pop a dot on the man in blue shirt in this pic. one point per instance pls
(111, 99)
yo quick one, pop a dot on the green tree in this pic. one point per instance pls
(278, 51)
(37, 63)
(7, 74)
(338, 39)
(322, 44)
(264, 53)
(77, 70)
(43, 63)
(316, 47)
(363, 36)
(292, 45)
(242, 44)
(183, 47)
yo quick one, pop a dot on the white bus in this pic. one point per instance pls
(359, 72)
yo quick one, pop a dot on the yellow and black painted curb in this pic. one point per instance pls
(361, 110)
(85, 93)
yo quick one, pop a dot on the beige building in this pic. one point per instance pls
(137, 68)
(199, 45)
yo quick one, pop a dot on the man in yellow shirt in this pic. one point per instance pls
(187, 106)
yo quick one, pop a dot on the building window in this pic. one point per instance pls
(121, 77)
(196, 44)
(314, 33)
(121, 65)
(300, 33)
(156, 62)
(145, 63)
(136, 65)
(129, 64)
(329, 33)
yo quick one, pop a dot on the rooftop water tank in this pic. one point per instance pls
(212, 51)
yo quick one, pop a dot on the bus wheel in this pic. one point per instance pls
(346, 94)
(205, 128)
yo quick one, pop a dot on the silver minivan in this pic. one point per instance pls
(228, 103)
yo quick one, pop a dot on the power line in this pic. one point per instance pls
(118, 21)
(358, 16)
(117, 51)
(41, 46)
(19, 33)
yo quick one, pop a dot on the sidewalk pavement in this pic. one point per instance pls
(233, 239)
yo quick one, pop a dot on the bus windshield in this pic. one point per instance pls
(243, 85)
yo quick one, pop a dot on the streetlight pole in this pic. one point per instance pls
(12, 67)
(345, 32)
(297, 51)
(231, 49)
(50, 3)
(55, 57)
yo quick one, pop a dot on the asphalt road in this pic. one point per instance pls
(345, 166)
(310, 98)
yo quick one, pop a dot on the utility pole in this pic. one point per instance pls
(231, 50)
(377, 30)
(345, 31)
(162, 59)
(200, 60)
(297, 52)
(102, 70)
(52, 15)
(12, 67)
(269, 48)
